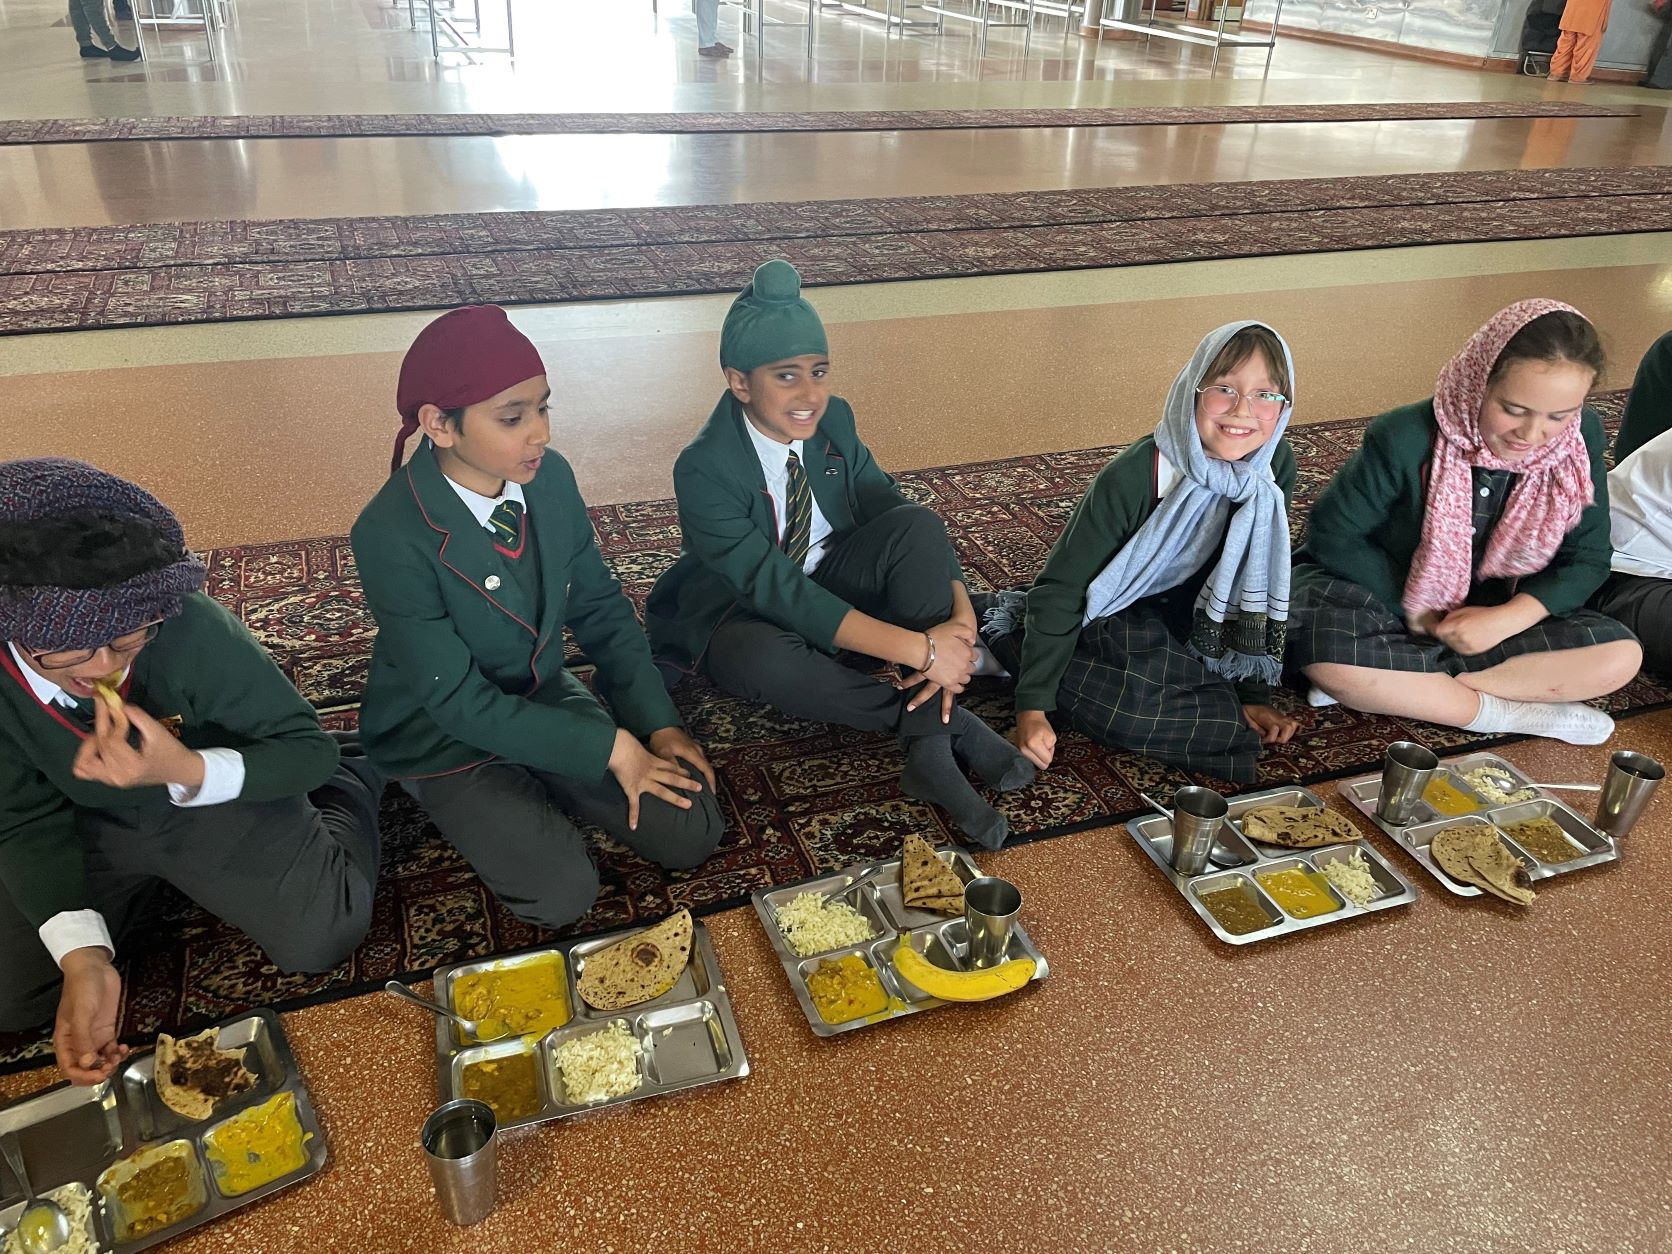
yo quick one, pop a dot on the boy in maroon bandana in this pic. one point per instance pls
(475, 556)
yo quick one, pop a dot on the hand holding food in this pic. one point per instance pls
(106, 757)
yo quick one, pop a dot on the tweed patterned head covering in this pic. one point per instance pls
(1552, 486)
(44, 616)
(463, 357)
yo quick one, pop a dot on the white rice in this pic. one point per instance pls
(1485, 781)
(1352, 879)
(600, 1065)
(813, 926)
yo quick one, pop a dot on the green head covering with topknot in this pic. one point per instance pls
(769, 321)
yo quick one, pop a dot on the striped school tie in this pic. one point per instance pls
(798, 512)
(506, 522)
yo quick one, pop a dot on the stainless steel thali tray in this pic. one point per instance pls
(687, 1037)
(1154, 834)
(1592, 846)
(70, 1136)
(943, 941)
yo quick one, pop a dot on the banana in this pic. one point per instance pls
(981, 985)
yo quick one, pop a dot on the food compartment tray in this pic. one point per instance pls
(937, 936)
(1153, 834)
(1414, 838)
(688, 1036)
(73, 1135)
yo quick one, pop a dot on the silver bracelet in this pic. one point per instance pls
(929, 665)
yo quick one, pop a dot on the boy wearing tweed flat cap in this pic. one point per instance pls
(475, 555)
(210, 772)
(796, 544)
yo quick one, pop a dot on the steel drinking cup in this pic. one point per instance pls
(990, 909)
(1632, 780)
(1198, 817)
(1406, 770)
(461, 1143)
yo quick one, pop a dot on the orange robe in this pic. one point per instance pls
(1583, 22)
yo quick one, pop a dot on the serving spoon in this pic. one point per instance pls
(44, 1226)
(470, 1027)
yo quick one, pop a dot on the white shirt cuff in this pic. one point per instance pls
(223, 780)
(75, 929)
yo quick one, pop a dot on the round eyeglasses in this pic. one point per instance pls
(1219, 399)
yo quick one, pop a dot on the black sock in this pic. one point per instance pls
(992, 757)
(932, 774)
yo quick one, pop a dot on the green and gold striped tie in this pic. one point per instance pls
(798, 512)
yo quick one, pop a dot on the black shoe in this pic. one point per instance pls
(119, 53)
(93, 50)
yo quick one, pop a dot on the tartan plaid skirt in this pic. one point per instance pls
(1338, 621)
(1133, 685)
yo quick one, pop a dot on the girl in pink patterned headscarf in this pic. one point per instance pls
(1446, 569)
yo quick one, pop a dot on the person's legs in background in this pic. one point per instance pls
(708, 29)
(1561, 61)
(92, 32)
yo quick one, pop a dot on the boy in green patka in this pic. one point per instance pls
(795, 544)
(193, 762)
(474, 557)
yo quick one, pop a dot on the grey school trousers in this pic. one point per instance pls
(512, 825)
(897, 567)
(296, 875)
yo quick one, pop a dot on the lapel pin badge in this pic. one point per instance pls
(831, 470)
(491, 583)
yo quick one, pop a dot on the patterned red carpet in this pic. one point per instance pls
(153, 274)
(348, 125)
(798, 797)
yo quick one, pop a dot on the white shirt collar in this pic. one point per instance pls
(47, 692)
(482, 507)
(773, 455)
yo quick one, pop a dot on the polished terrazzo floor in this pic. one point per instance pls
(1450, 1077)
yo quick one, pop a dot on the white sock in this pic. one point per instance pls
(987, 664)
(1572, 721)
(1317, 698)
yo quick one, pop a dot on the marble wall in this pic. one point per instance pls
(1461, 26)
(1475, 28)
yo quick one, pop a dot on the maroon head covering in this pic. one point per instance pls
(464, 356)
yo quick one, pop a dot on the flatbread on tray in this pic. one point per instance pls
(1473, 854)
(194, 1076)
(639, 968)
(927, 883)
(1297, 827)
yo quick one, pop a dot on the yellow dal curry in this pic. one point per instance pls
(529, 999)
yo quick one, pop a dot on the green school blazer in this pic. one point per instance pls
(729, 554)
(206, 676)
(1367, 522)
(468, 664)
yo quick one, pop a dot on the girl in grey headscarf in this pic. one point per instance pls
(1158, 622)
